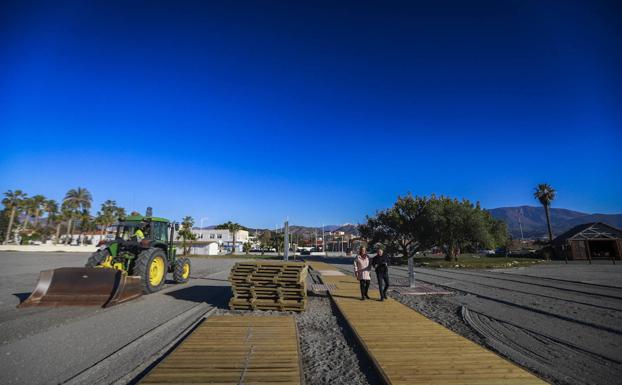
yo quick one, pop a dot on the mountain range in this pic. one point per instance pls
(533, 220)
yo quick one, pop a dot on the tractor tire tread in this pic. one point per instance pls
(96, 258)
(141, 268)
(178, 273)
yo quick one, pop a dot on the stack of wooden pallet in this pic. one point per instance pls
(268, 286)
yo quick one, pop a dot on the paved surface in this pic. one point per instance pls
(83, 345)
(235, 349)
(539, 314)
(408, 348)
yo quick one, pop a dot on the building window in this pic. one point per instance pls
(211, 236)
(219, 236)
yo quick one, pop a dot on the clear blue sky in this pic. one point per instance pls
(254, 111)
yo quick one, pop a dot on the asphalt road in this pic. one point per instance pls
(561, 321)
(93, 345)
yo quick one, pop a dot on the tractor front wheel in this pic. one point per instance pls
(97, 257)
(182, 270)
(151, 267)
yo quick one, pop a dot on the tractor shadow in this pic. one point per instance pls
(216, 296)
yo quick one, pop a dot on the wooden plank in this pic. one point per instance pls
(408, 348)
(235, 350)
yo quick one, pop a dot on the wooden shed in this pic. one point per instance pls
(589, 241)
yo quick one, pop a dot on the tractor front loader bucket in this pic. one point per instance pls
(83, 286)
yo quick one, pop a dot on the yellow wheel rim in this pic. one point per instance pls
(186, 271)
(156, 271)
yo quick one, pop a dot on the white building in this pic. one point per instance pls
(222, 239)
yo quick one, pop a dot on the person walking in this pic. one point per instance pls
(381, 264)
(361, 271)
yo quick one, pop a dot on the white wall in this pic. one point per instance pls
(46, 248)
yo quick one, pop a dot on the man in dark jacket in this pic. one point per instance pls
(381, 264)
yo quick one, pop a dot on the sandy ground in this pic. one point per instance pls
(562, 322)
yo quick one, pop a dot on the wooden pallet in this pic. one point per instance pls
(408, 348)
(234, 350)
(279, 286)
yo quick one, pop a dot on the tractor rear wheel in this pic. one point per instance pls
(97, 257)
(151, 266)
(182, 270)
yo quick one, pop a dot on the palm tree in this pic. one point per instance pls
(546, 194)
(76, 200)
(37, 206)
(186, 234)
(12, 201)
(86, 224)
(51, 208)
(68, 212)
(233, 229)
(27, 206)
(65, 215)
(108, 214)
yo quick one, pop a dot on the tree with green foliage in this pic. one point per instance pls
(68, 213)
(460, 224)
(545, 194)
(4, 222)
(247, 247)
(233, 229)
(108, 215)
(50, 208)
(278, 242)
(419, 223)
(12, 201)
(63, 216)
(186, 234)
(87, 224)
(265, 240)
(76, 201)
(402, 229)
(36, 207)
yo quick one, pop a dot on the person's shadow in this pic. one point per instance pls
(217, 296)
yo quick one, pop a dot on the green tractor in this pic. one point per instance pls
(143, 247)
(136, 261)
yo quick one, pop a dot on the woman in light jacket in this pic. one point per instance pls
(362, 267)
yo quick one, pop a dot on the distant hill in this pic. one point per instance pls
(349, 229)
(531, 217)
(533, 220)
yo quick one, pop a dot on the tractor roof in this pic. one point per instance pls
(139, 218)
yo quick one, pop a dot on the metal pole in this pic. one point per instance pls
(286, 242)
(323, 241)
(522, 239)
(411, 272)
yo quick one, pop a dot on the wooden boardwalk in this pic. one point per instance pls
(408, 348)
(234, 350)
